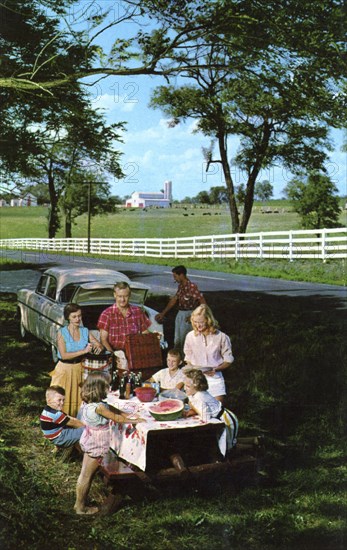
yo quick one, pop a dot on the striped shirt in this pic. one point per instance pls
(52, 422)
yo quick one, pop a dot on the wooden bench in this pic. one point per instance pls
(126, 479)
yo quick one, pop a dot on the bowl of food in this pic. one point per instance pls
(145, 394)
(173, 394)
(169, 409)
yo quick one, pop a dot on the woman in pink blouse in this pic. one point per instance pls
(206, 346)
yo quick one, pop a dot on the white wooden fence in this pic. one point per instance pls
(321, 244)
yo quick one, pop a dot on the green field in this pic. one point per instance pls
(176, 222)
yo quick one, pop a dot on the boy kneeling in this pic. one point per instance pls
(58, 427)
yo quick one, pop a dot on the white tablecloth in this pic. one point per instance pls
(130, 441)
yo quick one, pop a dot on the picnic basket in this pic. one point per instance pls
(102, 363)
(143, 352)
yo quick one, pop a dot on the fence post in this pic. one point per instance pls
(290, 246)
(237, 244)
(260, 245)
(323, 243)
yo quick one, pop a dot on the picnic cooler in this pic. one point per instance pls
(143, 352)
(102, 363)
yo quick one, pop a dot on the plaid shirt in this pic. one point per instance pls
(189, 296)
(112, 321)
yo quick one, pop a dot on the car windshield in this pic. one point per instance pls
(105, 296)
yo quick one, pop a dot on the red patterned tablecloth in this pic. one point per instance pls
(130, 441)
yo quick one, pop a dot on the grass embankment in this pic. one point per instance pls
(287, 382)
(313, 271)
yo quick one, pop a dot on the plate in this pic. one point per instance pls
(203, 369)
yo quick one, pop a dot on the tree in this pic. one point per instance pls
(162, 51)
(203, 198)
(68, 148)
(218, 195)
(270, 73)
(75, 198)
(315, 200)
(263, 191)
(279, 93)
(240, 193)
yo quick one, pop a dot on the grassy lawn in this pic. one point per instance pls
(294, 394)
(153, 223)
(131, 223)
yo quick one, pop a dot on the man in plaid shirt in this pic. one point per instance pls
(187, 298)
(121, 319)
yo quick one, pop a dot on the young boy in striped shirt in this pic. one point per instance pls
(58, 427)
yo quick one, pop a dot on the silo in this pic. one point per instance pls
(168, 190)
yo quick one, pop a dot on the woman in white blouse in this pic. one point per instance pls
(206, 346)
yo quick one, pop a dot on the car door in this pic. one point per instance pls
(35, 304)
(51, 314)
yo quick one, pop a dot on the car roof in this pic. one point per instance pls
(65, 276)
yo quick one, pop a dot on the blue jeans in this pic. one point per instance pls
(182, 327)
(68, 437)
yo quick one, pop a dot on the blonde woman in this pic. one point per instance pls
(207, 347)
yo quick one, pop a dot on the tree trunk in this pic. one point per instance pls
(68, 224)
(229, 182)
(53, 214)
(249, 200)
(252, 178)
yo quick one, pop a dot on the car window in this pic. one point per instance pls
(67, 293)
(51, 288)
(41, 287)
(94, 296)
(138, 295)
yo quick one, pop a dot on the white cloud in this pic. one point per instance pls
(114, 104)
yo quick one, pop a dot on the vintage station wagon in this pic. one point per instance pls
(41, 310)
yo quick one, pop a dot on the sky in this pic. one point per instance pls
(153, 152)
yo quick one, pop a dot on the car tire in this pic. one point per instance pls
(55, 354)
(22, 330)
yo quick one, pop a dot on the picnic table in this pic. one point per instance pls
(147, 444)
(152, 452)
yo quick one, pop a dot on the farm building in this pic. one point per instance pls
(26, 200)
(143, 200)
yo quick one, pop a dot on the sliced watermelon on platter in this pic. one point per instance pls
(169, 409)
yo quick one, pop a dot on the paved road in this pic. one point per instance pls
(159, 278)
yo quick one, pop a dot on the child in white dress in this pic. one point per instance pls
(206, 406)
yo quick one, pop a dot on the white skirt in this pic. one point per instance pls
(216, 384)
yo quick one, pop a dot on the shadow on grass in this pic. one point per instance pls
(287, 381)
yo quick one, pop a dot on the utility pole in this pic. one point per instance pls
(89, 214)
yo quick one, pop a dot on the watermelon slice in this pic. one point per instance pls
(169, 409)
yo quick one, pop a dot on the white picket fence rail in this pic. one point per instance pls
(321, 244)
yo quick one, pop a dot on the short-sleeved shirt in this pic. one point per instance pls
(52, 422)
(72, 345)
(118, 327)
(189, 296)
(167, 381)
(205, 405)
